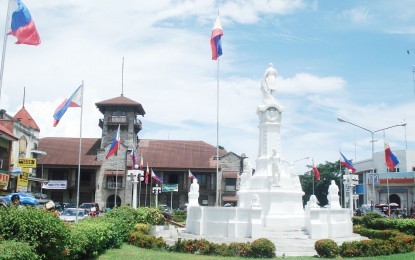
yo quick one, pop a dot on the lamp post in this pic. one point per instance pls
(136, 176)
(157, 190)
(373, 148)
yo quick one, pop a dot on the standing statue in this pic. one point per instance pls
(246, 175)
(194, 193)
(269, 82)
(276, 171)
(194, 187)
(333, 196)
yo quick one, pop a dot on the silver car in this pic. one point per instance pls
(69, 214)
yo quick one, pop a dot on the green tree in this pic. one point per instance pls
(328, 171)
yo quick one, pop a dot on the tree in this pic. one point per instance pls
(328, 171)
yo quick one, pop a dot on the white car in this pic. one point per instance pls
(69, 214)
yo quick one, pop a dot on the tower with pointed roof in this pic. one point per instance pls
(120, 111)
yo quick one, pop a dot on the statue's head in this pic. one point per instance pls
(194, 180)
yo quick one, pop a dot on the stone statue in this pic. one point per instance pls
(194, 193)
(333, 196)
(313, 202)
(268, 84)
(194, 187)
(255, 201)
(246, 175)
(276, 171)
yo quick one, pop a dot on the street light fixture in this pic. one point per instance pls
(157, 190)
(373, 148)
(136, 176)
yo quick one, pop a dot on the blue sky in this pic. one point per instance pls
(334, 59)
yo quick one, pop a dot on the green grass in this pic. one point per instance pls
(133, 252)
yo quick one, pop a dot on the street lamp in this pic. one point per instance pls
(136, 176)
(373, 148)
(157, 190)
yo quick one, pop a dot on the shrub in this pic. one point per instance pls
(369, 217)
(150, 216)
(262, 248)
(142, 228)
(91, 237)
(40, 229)
(205, 247)
(402, 243)
(240, 249)
(365, 248)
(142, 240)
(223, 250)
(10, 250)
(123, 219)
(327, 248)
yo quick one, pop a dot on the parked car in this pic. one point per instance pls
(69, 214)
(68, 205)
(87, 206)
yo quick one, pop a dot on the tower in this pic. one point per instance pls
(120, 111)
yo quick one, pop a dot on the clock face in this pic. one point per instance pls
(272, 113)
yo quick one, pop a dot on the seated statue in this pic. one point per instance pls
(333, 196)
(313, 202)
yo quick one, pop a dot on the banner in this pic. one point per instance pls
(55, 185)
(4, 181)
(23, 181)
(169, 187)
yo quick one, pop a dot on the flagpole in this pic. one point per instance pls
(146, 182)
(217, 135)
(151, 184)
(80, 150)
(312, 176)
(3, 55)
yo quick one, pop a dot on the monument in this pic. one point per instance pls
(274, 183)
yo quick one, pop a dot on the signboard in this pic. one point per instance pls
(370, 180)
(55, 185)
(27, 162)
(23, 181)
(4, 181)
(170, 187)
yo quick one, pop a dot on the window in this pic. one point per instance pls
(230, 184)
(203, 181)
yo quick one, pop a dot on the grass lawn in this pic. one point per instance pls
(133, 252)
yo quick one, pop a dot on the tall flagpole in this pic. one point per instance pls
(312, 178)
(3, 55)
(116, 182)
(217, 135)
(80, 150)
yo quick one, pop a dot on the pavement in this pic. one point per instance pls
(287, 242)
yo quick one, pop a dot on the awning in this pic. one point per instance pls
(229, 198)
(114, 172)
(230, 174)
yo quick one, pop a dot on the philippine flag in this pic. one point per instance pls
(133, 158)
(22, 24)
(215, 40)
(115, 145)
(157, 178)
(391, 159)
(191, 176)
(147, 173)
(346, 163)
(316, 172)
(75, 100)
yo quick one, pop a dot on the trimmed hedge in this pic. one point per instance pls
(327, 248)
(11, 250)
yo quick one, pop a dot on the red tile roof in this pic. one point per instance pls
(64, 151)
(9, 135)
(120, 101)
(178, 154)
(25, 118)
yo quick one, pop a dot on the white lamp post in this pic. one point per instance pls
(373, 200)
(136, 176)
(157, 190)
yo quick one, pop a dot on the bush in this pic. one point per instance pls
(327, 248)
(40, 229)
(369, 217)
(142, 228)
(262, 248)
(10, 250)
(150, 216)
(365, 248)
(142, 240)
(403, 243)
(91, 237)
(124, 219)
(240, 249)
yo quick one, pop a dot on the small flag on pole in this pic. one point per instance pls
(115, 145)
(390, 158)
(316, 172)
(215, 39)
(191, 176)
(147, 173)
(75, 100)
(22, 25)
(157, 178)
(346, 163)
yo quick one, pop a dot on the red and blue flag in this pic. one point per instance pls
(391, 159)
(346, 163)
(215, 39)
(115, 145)
(134, 159)
(75, 100)
(22, 25)
(157, 178)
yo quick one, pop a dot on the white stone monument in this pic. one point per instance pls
(277, 186)
(194, 193)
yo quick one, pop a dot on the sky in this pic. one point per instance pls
(345, 59)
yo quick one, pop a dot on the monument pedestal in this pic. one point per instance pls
(193, 199)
